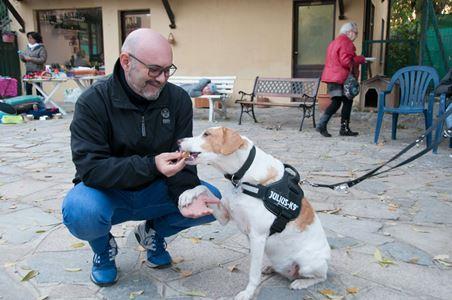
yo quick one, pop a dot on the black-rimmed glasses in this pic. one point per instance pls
(156, 70)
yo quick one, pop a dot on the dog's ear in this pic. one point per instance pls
(231, 141)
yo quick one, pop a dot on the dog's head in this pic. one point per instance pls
(212, 145)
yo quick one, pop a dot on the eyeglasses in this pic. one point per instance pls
(156, 70)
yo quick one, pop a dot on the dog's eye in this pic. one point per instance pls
(205, 133)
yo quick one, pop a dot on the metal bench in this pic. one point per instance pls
(225, 86)
(302, 90)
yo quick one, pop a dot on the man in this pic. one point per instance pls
(124, 137)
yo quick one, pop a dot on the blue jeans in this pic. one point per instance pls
(89, 213)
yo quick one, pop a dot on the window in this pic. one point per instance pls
(72, 37)
(134, 19)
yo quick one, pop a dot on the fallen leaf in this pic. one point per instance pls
(413, 260)
(443, 259)
(73, 269)
(40, 231)
(330, 294)
(78, 245)
(133, 295)
(233, 268)
(195, 240)
(140, 248)
(393, 206)
(30, 275)
(43, 297)
(9, 264)
(419, 230)
(381, 260)
(195, 293)
(186, 273)
(331, 211)
(14, 206)
(352, 290)
(178, 260)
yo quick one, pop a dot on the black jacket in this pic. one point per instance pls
(114, 143)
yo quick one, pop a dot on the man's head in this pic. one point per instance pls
(146, 58)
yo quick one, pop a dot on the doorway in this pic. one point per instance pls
(134, 19)
(313, 30)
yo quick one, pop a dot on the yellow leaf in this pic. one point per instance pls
(186, 273)
(133, 295)
(30, 275)
(9, 264)
(195, 240)
(327, 292)
(352, 290)
(178, 260)
(72, 269)
(233, 268)
(377, 255)
(195, 294)
(40, 231)
(78, 245)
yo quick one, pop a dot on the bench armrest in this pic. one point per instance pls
(243, 95)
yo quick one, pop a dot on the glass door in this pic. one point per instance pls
(313, 31)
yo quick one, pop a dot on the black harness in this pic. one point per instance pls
(282, 198)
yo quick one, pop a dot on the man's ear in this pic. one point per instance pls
(124, 60)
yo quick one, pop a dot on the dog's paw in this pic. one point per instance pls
(268, 270)
(244, 295)
(187, 197)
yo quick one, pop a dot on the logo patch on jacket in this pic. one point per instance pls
(165, 116)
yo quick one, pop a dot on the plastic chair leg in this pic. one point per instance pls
(378, 127)
(395, 119)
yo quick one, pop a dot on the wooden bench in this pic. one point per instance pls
(225, 86)
(303, 90)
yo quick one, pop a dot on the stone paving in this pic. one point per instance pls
(391, 236)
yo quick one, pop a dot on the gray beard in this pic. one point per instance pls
(155, 96)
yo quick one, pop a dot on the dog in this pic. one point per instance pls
(300, 251)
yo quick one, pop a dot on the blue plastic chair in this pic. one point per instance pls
(416, 85)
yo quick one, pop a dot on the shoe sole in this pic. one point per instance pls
(154, 266)
(103, 284)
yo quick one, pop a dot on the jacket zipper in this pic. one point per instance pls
(143, 127)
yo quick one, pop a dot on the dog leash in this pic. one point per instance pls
(343, 186)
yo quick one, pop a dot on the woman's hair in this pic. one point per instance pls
(36, 36)
(348, 26)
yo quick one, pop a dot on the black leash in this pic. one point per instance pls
(342, 186)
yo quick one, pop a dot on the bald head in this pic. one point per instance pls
(147, 40)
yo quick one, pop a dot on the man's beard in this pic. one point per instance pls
(138, 89)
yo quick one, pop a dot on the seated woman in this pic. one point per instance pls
(203, 87)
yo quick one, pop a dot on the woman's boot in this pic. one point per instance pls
(321, 126)
(345, 129)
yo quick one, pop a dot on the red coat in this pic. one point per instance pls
(340, 56)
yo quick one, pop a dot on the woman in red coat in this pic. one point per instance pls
(340, 59)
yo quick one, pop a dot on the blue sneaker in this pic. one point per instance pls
(157, 256)
(104, 271)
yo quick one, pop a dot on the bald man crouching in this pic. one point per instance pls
(124, 139)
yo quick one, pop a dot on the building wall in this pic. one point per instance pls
(244, 38)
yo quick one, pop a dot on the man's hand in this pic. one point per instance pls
(198, 207)
(169, 163)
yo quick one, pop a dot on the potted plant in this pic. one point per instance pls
(8, 37)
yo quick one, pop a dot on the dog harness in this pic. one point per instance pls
(282, 198)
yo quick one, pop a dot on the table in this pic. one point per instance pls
(85, 82)
(48, 96)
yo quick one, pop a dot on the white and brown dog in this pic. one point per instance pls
(300, 252)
